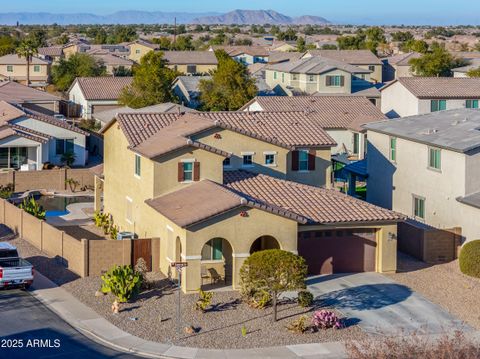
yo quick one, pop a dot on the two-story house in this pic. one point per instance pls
(216, 187)
(341, 117)
(398, 66)
(14, 67)
(427, 167)
(191, 62)
(140, 48)
(409, 96)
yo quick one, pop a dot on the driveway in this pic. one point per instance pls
(25, 319)
(380, 305)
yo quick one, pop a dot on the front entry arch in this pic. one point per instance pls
(264, 242)
(216, 263)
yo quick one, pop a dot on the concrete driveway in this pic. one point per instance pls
(381, 306)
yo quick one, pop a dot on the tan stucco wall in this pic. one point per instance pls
(20, 72)
(201, 69)
(133, 51)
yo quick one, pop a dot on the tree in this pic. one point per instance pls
(27, 49)
(7, 45)
(474, 72)
(289, 35)
(419, 46)
(273, 271)
(230, 88)
(437, 62)
(163, 43)
(152, 83)
(402, 36)
(301, 44)
(183, 43)
(78, 65)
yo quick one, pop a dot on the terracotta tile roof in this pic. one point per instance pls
(51, 51)
(282, 56)
(249, 50)
(205, 199)
(53, 121)
(9, 112)
(441, 87)
(112, 60)
(315, 66)
(13, 59)
(8, 130)
(190, 57)
(402, 59)
(14, 92)
(343, 112)
(354, 57)
(102, 88)
(317, 205)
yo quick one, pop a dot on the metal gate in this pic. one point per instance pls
(142, 248)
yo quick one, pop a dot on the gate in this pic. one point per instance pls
(142, 248)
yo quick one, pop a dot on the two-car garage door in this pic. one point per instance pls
(338, 251)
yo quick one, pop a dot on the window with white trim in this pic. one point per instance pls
(247, 159)
(270, 158)
(418, 207)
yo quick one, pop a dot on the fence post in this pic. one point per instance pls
(86, 257)
(41, 234)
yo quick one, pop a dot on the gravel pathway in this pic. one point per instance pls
(444, 285)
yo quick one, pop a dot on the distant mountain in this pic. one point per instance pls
(240, 17)
(259, 17)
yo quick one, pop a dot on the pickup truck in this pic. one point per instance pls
(14, 271)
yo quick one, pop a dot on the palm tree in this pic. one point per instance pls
(27, 49)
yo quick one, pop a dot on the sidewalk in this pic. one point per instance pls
(88, 322)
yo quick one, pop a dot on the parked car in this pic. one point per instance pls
(14, 271)
(59, 117)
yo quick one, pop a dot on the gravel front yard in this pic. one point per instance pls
(444, 285)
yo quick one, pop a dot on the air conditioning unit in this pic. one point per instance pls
(126, 235)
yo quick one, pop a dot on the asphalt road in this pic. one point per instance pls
(26, 322)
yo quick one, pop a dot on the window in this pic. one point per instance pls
(438, 105)
(9, 68)
(191, 69)
(187, 171)
(275, 75)
(371, 67)
(137, 51)
(303, 160)
(283, 76)
(226, 162)
(311, 78)
(335, 81)
(63, 146)
(294, 77)
(418, 207)
(356, 143)
(129, 210)
(434, 158)
(212, 250)
(138, 168)
(270, 159)
(471, 104)
(393, 149)
(248, 159)
(36, 68)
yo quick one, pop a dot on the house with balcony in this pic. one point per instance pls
(29, 139)
(216, 187)
(427, 167)
(410, 96)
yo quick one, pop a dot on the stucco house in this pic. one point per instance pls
(95, 94)
(14, 68)
(187, 89)
(112, 62)
(427, 167)
(341, 117)
(191, 62)
(247, 55)
(51, 53)
(29, 139)
(409, 96)
(398, 66)
(315, 75)
(140, 48)
(216, 187)
(364, 59)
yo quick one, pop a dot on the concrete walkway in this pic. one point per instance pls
(87, 321)
(380, 305)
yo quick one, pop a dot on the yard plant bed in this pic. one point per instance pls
(152, 316)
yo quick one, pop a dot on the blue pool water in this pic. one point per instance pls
(57, 206)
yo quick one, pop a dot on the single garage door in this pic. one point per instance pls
(100, 108)
(338, 251)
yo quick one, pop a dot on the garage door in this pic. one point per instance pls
(100, 108)
(338, 251)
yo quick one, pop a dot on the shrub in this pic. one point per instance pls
(113, 230)
(141, 268)
(260, 299)
(299, 325)
(469, 259)
(273, 271)
(6, 191)
(204, 300)
(32, 207)
(122, 281)
(100, 219)
(305, 298)
(325, 319)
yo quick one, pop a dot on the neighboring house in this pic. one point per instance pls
(276, 57)
(73, 47)
(315, 74)
(29, 139)
(187, 89)
(216, 187)
(95, 94)
(364, 59)
(140, 48)
(474, 64)
(283, 46)
(28, 97)
(52, 53)
(409, 96)
(247, 55)
(398, 66)
(428, 167)
(341, 117)
(113, 62)
(13, 67)
(191, 62)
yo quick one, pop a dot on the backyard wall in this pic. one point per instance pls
(428, 244)
(47, 179)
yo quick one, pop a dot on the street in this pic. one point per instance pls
(30, 330)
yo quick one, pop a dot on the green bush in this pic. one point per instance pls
(260, 299)
(122, 281)
(305, 298)
(299, 325)
(32, 207)
(204, 300)
(470, 259)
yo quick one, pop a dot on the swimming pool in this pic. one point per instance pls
(57, 205)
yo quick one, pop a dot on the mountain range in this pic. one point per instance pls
(241, 17)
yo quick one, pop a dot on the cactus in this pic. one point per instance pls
(122, 281)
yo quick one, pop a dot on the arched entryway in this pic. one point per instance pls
(264, 242)
(216, 264)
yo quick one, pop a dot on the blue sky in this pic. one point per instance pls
(356, 11)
